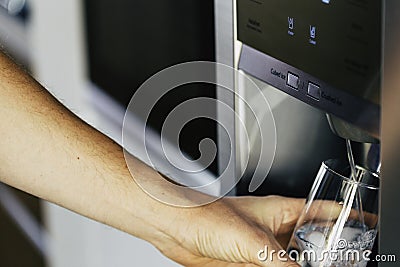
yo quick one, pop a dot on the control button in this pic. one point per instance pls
(291, 26)
(313, 35)
(293, 80)
(291, 23)
(314, 91)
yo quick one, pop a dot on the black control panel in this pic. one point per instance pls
(326, 53)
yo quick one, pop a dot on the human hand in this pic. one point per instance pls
(231, 232)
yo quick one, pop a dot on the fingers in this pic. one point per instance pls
(279, 214)
(255, 243)
(322, 210)
(217, 263)
(218, 233)
(269, 252)
(325, 210)
(290, 210)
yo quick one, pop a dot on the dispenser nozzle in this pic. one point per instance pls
(351, 132)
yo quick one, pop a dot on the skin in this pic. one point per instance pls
(47, 151)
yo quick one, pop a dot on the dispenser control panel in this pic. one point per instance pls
(326, 53)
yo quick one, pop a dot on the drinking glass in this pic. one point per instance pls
(339, 223)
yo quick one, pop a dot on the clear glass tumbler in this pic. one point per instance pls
(339, 223)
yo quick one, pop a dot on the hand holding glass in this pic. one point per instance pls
(339, 223)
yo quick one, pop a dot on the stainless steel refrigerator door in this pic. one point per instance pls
(390, 197)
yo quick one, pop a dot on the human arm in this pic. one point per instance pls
(47, 151)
